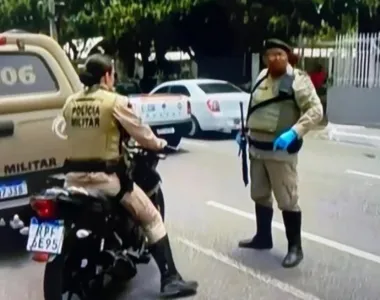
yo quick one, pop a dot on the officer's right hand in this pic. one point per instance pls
(163, 144)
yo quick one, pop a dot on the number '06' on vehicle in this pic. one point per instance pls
(24, 75)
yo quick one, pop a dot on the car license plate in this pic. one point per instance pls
(45, 236)
(166, 130)
(13, 189)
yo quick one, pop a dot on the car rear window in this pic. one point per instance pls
(217, 88)
(25, 73)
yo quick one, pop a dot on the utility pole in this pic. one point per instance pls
(52, 23)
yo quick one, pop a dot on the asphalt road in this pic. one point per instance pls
(209, 210)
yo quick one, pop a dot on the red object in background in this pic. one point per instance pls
(293, 59)
(318, 79)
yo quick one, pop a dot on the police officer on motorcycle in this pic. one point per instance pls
(97, 122)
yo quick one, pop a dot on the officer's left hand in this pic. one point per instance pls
(239, 138)
(284, 140)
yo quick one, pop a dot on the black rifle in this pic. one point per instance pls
(243, 146)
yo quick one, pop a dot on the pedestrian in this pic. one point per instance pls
(284, 106)
(318, 76)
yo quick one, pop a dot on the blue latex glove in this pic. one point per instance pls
(284, 140)
(238, 138)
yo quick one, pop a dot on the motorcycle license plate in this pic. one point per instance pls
(45, 236)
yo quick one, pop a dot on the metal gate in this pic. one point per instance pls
(354, 87)
(355, 60)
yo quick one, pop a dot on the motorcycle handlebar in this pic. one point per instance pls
(170, 148)
(161, 154)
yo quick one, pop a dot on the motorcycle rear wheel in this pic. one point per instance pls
(55, 284)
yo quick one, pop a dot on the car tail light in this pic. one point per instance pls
(213, 105)
(3, 40)
(44, 207)
(188, 108)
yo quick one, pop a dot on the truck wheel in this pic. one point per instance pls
(174, 140)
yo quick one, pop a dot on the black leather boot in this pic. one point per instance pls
(263, 238)
(292, 222)
(172, 284)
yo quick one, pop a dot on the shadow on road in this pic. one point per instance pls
(13, 253)
(265, 262)
(12, 244)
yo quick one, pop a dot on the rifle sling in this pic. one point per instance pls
(279, 98)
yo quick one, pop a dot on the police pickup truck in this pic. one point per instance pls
(36, 77)
(168, 115)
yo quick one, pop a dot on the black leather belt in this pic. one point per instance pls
(106, 166)
(293, 148)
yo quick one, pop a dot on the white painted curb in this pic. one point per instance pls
(353, 134)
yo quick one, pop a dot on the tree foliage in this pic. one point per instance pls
(209, 27)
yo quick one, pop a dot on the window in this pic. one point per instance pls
(219, 88)
(179, 90)
(25, 73)
(163, 90)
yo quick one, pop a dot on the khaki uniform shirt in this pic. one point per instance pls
(140, 132)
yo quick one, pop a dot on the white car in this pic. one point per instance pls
(214, 103)
(169, 116)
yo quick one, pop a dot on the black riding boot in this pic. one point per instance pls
(292, 222)
(263, 238)
(172, 284)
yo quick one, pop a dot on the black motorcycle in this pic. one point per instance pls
(90, 242)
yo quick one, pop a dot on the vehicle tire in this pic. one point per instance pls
(174, 140)
(160, 202)
(54, 279)
(195, 128)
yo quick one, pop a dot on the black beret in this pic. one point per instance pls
(276, 43)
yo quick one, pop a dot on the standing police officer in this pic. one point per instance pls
(284, 107)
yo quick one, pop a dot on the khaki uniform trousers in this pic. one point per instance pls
(279, 177)
(136, 202)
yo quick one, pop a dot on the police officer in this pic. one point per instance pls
(284, 107)
(95, 120)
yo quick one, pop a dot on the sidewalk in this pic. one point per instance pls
(352, 134)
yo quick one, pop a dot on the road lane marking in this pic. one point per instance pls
(353, 172)
(285, 287)
(312, 237)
